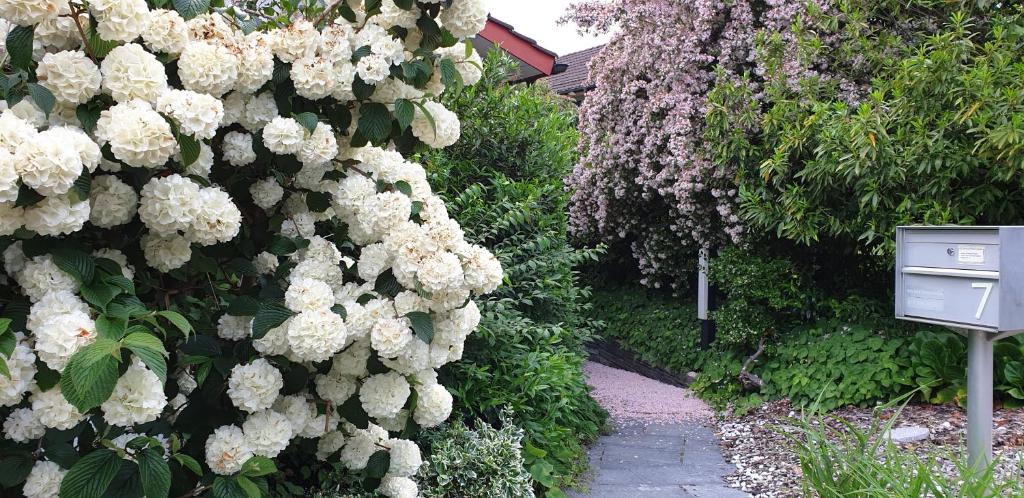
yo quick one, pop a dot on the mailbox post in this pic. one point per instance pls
(970, 279)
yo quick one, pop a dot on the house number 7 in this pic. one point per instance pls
(984, 297)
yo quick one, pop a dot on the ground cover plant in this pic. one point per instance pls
(215, 267)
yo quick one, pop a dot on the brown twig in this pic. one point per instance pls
(196, 492)
(75, 13)
(327, 11)
(750, 381)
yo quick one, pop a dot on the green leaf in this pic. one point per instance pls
(250, 488)
(189, 463)
(88, 116)
(19, 46)
(318, 202)
(378, 464)
(271, 315)
(404, 4)
(353, 412)
(180, 322)
(4, 369)
(111, 327)
(190, 149)
(281, 246)
(387, 285)
(422, 325)
(126, 286)
(90, 375)
(404, 187)
(42, 97)
(258, 466)
(155, 473)
(78, 264)
(243, 306)
(81, 188)
(224, 487)
(340, 310)
(308, 120)
(405, 111)
(27, 196)
(99, 47)
(450, 75)
(99, 294)
(91, 476)
(191, 8)
(14, 469)
(375, 122)
(150, 350)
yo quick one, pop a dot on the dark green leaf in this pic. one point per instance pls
(99, 294)
(250, 488)
(191, 8)
(180, 322)
(15, 468)
(42, 97)
(90, 375)
(404, 187)
(201, 345)
(405, 111)
(450, 75)
(375, 122)
(281, 246)
(225, 487)
(88, 116)
(155, 473)
(91, 475)
(258, 466)
(378, 464)
(19, 46)
(308, 120)
(244, 306)
(353, 412)
(189, 463)
(27, 196)
(78, 264)
(318, 202)
(97, 45)
(150, 350)
(387, 285)
(81, 188)
(422, 325)
(270, 315)
(111, 327)
(340, 310)
(361, 89)
(190, 149)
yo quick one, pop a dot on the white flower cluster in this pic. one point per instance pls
(162, 142)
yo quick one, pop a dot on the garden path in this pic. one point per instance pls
(661, 446)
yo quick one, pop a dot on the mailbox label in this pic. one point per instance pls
(926, 299)
(970, 255)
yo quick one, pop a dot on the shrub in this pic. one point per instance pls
(476, 462)
(297, 280)
(506, 190)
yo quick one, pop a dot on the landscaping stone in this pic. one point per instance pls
(904, 435)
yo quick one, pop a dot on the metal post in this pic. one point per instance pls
(979, 398)
(707, 327)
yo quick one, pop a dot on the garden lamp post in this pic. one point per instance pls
(971, 280)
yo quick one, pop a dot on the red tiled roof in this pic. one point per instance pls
(575, 78)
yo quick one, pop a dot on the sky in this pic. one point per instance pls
(537, 19)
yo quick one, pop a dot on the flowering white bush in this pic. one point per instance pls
(222, 198)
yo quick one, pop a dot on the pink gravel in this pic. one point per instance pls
(630, 397)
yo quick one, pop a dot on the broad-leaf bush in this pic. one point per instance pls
(220, 268)
(505, 187)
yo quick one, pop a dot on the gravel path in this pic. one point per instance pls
(661, 447)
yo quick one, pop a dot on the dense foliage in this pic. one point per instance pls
(503, 183)
(219, 262)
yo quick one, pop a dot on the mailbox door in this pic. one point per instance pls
(964, 249)
(967, 298)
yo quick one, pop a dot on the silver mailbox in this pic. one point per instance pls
(961, 277)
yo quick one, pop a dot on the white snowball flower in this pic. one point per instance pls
(275, 342)
(208, 68)
(166, 32)
(15, 262)
(336, 388)
(11, 218)
(227, 449)
(464, 18)
(296, 409)
(14, 131)
(328, 444)
(57, 216)
(234, 328)
(443, 132)
(405, 458)
(41, 276)
(344, 77)
(53, 411)
(470, 68)
(360, 446)
(166, 253)
(169, 204)
(396, 423)
(255, 63)
(112, 202)
(29, 12)
(120, 20)
(212, 27)
(203, 164)
(58, 33)
(393, 15)
(198, 114)
(398, 487)
(60, 337)
(8, 177)
(22, 368)
(237, 149)
(320, 148)
(217, 220)
(265, 263)
(313, 77)
(22, 426)
(441, 271)
(266, 193)
(44, 479)
(88, 151)
(300, 39)
(373, 261)
(138, 135)
(284, 136)
(267, 433)
(70, 76)
(254, 386)
(433, 406)
(352, 361)
(336, 41)
(316, 335)
(259, 111)
(48, 165)
(138, 398)
(383, 395)
(308, 294)
(130, 72)
(351, 192)
(390, 336)
(373, 69)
